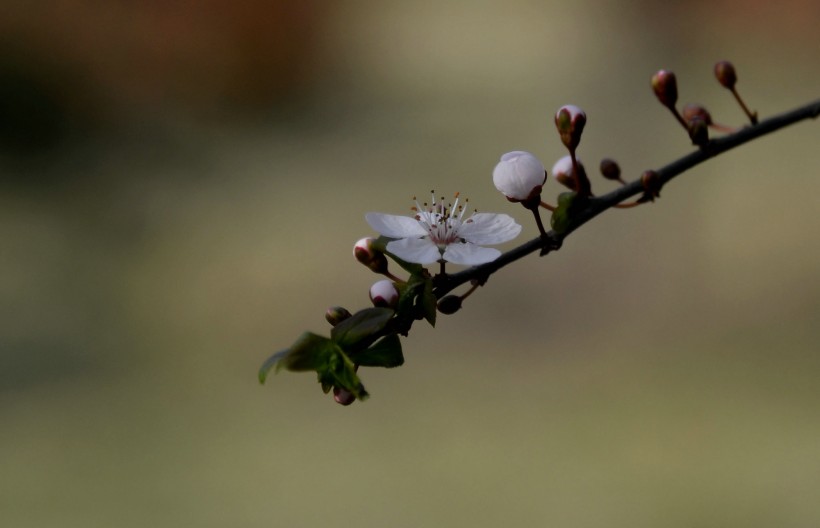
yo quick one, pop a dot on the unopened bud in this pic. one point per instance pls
(695, 110)
(563, 173)
(384, 294)
(519, 176)
(651, 182)
(665, 87)
(726, 75)
(698, 131)
(570, 121)
(370, 256)
(336, 314)
(449, 304)
(343, 396)
(610, 169)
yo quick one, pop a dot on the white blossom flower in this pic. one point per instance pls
(519, 176)
(437, 233)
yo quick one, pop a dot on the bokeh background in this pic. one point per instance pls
(181, 185)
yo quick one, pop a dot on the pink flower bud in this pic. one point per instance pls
(384, 294)
(369, 256)
(343, 396)
(562, 172)
(519, 176)
(570, 121)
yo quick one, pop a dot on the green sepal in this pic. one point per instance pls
(429, 302)
(381, 245)
(416, 301)
(386, 352)
(562, 216)
(341, 372)
(309, 352)
(360, 325)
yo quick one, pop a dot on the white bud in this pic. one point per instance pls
(363, 248)
(519, 176)
(384, 294)
(562, 171)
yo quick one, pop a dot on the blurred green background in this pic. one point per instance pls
(180, 189)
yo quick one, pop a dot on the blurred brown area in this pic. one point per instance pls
(181, 184)
(117, 60)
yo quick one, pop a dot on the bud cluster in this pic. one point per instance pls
(695, 119)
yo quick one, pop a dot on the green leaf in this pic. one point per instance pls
(360, 325)
(309, 352)
(562, 216)
(269, 364)
(386, 352)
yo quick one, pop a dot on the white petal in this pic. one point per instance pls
(469, 254)
(417, 250)
(489, 228)
(395, 226)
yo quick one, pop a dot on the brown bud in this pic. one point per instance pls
(651, 182)
(610, 169)
(698, 131)
(665, 87)
(336, 314)
(695, 110)
(449, 304)
(726, 75)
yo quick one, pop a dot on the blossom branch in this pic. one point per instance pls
(440, 232)
(594, 206)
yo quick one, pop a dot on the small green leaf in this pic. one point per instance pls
(360, 325)
(270, 363)
(562, 216)
(386, 352)
(309, 352)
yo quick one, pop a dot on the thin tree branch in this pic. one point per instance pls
(446, 283)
